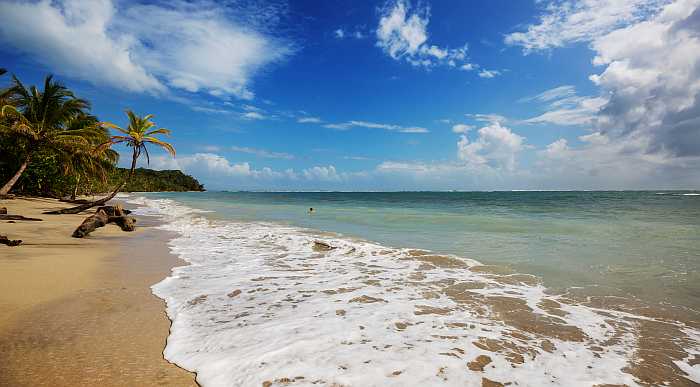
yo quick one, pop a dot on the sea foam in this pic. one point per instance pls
(261, 304)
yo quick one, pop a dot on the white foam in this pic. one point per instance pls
(283, 324)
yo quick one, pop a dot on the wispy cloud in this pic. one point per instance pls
(309, 120)
(262, 153)
(552, 94)
(487, 117)
(489, 73)
(253, 116)
(374, 125)
(356, 158)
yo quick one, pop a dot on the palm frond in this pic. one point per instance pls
(168, 147)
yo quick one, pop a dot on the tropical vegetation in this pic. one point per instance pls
(51, 145)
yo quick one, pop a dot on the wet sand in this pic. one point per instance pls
(79, 312)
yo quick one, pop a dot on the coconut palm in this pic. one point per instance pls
(94, 161)
(38, 120)
(138, 134)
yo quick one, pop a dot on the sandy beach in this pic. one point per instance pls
(80, 312)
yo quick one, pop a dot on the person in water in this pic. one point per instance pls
(311, 210)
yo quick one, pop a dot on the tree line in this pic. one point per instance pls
(51, 145)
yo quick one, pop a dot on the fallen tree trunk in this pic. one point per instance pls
(91, 223)
(10, 242)
(16, 217)
(126, 223)
(114, 210)
(74, 201)
(118, 216)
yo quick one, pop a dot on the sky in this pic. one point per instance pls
(388, 95)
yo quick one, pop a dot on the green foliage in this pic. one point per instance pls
(149, 180)
(67, 151)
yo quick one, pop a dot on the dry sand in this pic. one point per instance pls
(79, 312)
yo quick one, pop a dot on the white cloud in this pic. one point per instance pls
(191, 46)
(215, 171)
(654, 84)
(645, 122)
(487, 117)
(462, 128)
(571, 110)
(402, 34)
(262, 153)
(341, 33)
(566, 21)
(356, 158)
(468, 67)
(556, 93)
(489, 73)
(253, 116)
(374, 125)
(309, 120)
(323, 173)
(496, 146)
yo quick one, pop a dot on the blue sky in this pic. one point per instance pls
(390, 95)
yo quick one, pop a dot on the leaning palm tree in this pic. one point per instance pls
(37, 121)
(137, 135)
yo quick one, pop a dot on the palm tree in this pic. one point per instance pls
(137, 135)
(89, 162)
(37, 121)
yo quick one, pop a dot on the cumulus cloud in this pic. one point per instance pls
(402, 34)
(324, 173)
(654, 84)
(191, 46)
(262, 153)
(496, 146)
(569, 21)
(373, 125)
(645, 122)
(462, 128)
(218, 172)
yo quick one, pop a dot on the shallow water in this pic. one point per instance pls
(645, 244)
(261, 302)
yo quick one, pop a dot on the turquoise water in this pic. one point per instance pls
(641, 244)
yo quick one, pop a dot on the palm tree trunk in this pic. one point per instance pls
(8, 186)
(83, 207)
(75, 189)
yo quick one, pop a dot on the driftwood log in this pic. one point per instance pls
(105, 215)
(91, 223)
(16, 217)
(113, 210)
(10, 242)
(74, 201)
(118, 215)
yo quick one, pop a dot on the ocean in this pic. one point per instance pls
(433, 288)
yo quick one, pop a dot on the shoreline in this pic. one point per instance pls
(80, 311)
